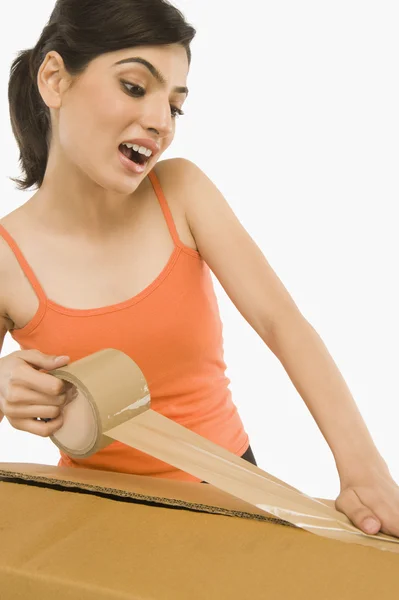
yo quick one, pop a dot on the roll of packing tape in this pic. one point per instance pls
(111, 390)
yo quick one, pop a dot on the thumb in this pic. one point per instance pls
(361, 516)
(43, 361)
(370, 524)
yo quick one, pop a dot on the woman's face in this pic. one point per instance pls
(133, 96)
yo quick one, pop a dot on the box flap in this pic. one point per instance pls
(146, 490)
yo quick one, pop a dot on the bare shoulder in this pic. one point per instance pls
(180, 180)
(206, 209)
(178, 176)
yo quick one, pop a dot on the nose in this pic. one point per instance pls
(157, 117)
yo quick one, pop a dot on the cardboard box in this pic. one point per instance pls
(74, 534)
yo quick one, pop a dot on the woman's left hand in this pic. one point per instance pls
(371, 501)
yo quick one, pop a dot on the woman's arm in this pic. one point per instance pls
(265, 303)
(367, 488)
(317, 379)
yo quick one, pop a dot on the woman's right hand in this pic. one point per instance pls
(28, 396)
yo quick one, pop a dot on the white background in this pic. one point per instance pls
(293, 113)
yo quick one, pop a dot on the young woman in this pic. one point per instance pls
(115, 250)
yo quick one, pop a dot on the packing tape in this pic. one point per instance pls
(113, 404)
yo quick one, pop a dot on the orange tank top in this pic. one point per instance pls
(172, 330)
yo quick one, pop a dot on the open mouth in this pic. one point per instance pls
(134, 155)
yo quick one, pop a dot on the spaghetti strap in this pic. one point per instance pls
(23, 263)
(165, 207)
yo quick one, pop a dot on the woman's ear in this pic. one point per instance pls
(53, 80)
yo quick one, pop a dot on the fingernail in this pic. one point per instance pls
(62, 358)
(371, 524)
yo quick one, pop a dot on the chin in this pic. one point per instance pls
(125, 187)
(116, 182)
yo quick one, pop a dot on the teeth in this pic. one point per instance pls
(141, 149)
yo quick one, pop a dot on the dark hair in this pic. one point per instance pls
(80, 31)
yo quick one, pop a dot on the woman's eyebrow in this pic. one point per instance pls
(153, 70)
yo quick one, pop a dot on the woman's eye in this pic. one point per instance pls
(176, 112)
(136, 90)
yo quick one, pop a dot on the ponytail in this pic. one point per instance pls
(30, 120)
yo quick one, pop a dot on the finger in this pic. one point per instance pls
(361, 516)
(25, 396)
(18, 412)
(37, 359)
(25, 376)
(40, 428)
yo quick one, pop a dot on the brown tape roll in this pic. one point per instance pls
(111, 390)
(114, 404)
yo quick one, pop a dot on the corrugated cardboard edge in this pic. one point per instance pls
(149, 490)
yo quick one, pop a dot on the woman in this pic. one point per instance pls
(116, 246)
